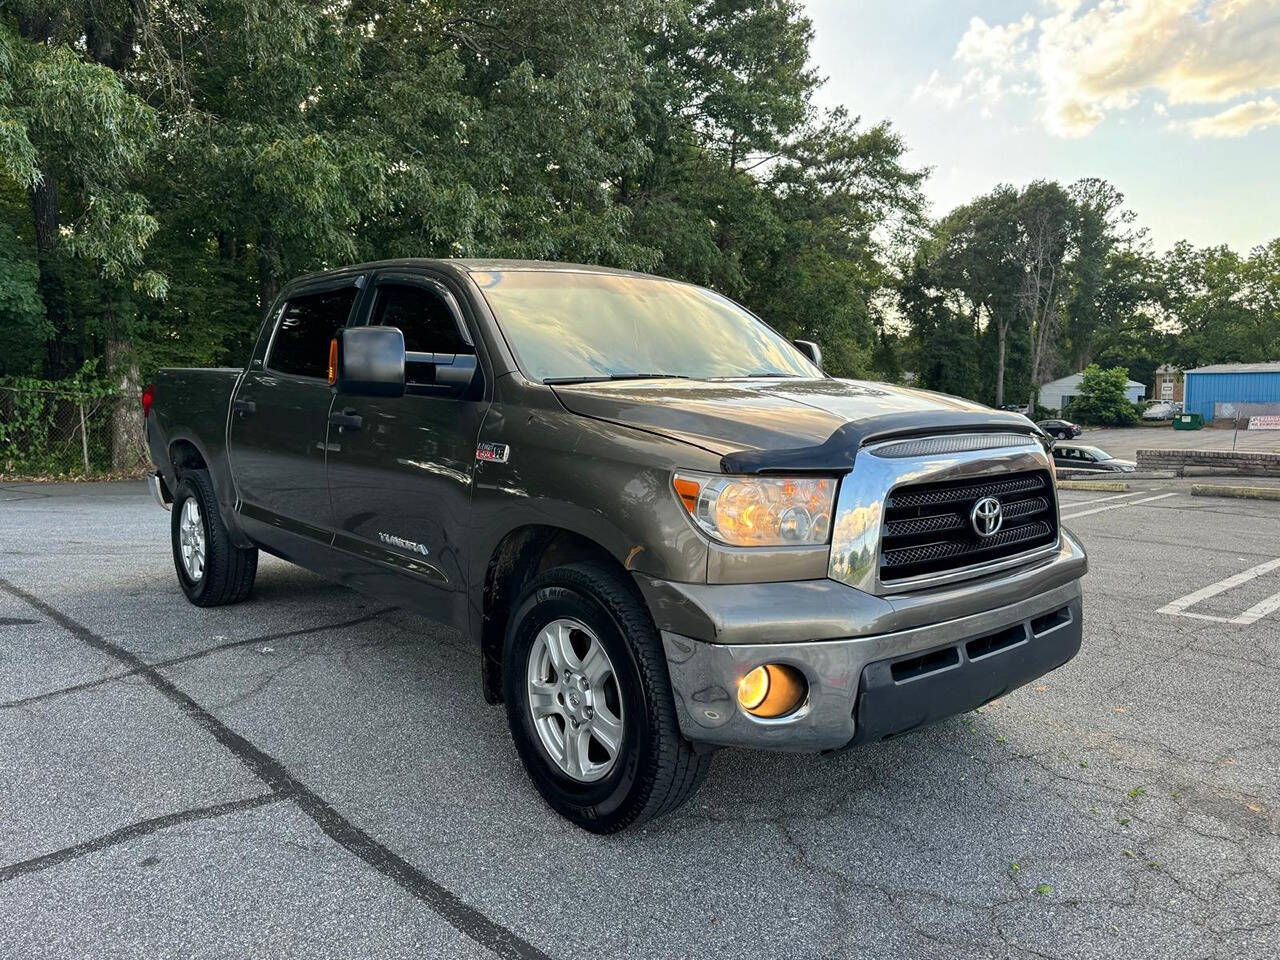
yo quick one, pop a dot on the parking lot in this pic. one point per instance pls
(315, 773)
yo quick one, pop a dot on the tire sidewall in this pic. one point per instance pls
(595, 804)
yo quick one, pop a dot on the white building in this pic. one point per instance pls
(1056, 394)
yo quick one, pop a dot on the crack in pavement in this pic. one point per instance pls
(135, 830)
(460, 915)
(187, 657)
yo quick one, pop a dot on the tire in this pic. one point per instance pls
(654, 769)
(227, 572)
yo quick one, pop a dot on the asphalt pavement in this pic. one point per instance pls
(314, 773)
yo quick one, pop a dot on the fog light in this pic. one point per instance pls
(772, 690)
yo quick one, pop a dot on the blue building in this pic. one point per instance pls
(1233, 389)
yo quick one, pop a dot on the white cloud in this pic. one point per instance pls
(935, 88)
(1085, 61)
(1237, 121)
(999, 46)
(1107, 57)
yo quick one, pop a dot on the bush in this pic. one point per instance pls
(1102, 401)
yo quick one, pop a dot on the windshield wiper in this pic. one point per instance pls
(762, 375)
(564, 381)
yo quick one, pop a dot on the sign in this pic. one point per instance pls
(1264, 423)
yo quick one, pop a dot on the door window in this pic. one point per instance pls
(308, 323)
(427, 322)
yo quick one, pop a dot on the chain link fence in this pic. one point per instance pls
(47, 432)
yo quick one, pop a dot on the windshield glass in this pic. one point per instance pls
(568, 326)
(1096, 453)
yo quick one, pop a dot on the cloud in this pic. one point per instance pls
(999, 46)
(935, 88)
(1085, 61)
(1237, 121)
(1107, 57)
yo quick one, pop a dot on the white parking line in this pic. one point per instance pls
(1115, 506)
(1178, 608)
(1084, 503)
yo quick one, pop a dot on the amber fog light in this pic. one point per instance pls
(772, 690)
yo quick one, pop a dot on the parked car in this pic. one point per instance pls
(1062, 429)
(1162, 410)
(1075, 456)
(664, 527)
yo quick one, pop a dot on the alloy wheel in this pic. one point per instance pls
(575, 700)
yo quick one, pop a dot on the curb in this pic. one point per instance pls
(1107, 486)
(1225, 490)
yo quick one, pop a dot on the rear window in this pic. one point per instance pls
(308, 323)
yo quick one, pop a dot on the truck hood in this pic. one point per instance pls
(769, 424)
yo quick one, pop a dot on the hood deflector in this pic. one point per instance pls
(836, 454)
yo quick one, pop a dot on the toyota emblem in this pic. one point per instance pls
(987, 516)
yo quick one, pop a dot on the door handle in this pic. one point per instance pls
(244, 408)
(348, 418)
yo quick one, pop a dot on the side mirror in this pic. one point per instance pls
(810, 350)
(368, 361)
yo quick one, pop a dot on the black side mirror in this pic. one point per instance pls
(810, 350)
(368, 361)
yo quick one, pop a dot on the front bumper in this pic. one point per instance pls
(867, 687)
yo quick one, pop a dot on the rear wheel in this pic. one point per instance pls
(212, 570)
(589, 702)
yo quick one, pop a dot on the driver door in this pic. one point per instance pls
(400, 481)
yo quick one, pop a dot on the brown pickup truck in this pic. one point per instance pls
(665, 528)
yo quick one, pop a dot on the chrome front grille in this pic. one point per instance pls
(927, 527)
(902, 519)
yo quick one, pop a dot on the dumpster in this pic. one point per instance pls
(1188, 421)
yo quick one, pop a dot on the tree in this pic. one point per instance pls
(1102, 401)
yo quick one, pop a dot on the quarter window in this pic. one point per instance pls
(301, 345)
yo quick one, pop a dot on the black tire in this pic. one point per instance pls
(656, 769)
(1064, 434)
(229, 570)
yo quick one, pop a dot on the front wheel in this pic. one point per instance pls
(212, 570)
(589, 702)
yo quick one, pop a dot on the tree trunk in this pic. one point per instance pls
(268, 275)
(128, 433)
(62, 355)
(1001, 330)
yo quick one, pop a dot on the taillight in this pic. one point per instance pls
(148, 398)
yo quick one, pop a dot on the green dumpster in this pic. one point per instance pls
(1188, 421)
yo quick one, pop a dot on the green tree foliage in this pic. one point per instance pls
(1102, 401)
(189, 158)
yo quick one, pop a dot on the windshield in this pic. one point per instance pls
(566, 326)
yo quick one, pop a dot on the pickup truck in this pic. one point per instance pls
(665, 528)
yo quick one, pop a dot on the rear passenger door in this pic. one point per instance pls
(279, 421)
(400, 484)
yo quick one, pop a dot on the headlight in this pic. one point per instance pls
(759, 511)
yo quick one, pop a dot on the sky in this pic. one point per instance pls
(1175, 102)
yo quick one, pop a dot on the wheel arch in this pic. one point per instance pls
(520, 556)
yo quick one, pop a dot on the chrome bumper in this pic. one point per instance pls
(155, 483)
(867, 687)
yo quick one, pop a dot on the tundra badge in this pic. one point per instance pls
(410, 545)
